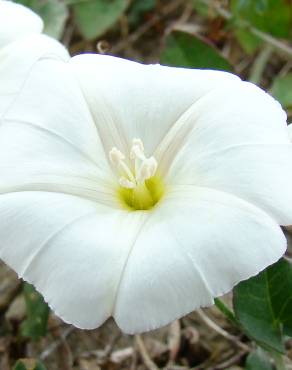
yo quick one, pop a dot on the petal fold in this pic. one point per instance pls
(240, 145)
(71, 249)
(196, 246)
(131, 100)
(49, 141)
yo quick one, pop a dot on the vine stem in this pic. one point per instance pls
(226, 311)
(260, 64)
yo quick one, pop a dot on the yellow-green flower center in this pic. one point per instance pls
(140, 188)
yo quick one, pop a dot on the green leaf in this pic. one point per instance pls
(185, 50)
(138, 10)
(258, 360)
(28, 364)
(37, 311)
(247, 40)
(263, 305)
(202, 9)
(271, 16)
(94, 17)
(282, 90)
(53, 12)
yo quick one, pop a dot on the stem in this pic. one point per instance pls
(279, 361)
(226, 311)
(260, 64)
(282, 48)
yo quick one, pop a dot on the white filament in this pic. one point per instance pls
(143, 168)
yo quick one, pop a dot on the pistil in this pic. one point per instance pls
(138, 181)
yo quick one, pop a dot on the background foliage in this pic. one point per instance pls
(251, 38)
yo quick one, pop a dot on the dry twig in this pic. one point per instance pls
(144, 354)
(57, 343)
(221, 331)
(174, 339)
(231, 361)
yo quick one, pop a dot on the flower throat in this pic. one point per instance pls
(140, 188)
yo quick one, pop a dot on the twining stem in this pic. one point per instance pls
(260, 64)
(226, 311)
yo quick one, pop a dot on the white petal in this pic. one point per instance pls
(290, 131)
(51, 99)
(48, 140)
(197, 245)
(240, 146)
(17, 21)
(260, 174)
(130, 100)
(17, 59)
(72, 250)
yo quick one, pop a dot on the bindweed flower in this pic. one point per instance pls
(17, 22)
(137, 191)
(21, 45)
(290, 130)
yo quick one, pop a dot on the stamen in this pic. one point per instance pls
(152, 164)
(125, 183)
(116, 156)
(138, 142)
(147, 170)
(117, 159)
(137, 152)
(139, 186)
(144, 168)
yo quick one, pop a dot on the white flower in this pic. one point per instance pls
(17, 22)
(21, 45)
(290, 130)
(139, 192)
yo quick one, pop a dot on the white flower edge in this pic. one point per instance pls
(290, 131)
(144, 270)
(16, 22)
(21, 46)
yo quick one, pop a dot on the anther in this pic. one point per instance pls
(136, 192)
(144, 168)
(152, 165)
(125, 183)
(139, 143)
(116, 156)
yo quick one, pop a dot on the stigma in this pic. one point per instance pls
(139, 186)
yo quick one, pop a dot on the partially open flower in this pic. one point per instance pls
(17, 22)
(21, 45)
(140, 192)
